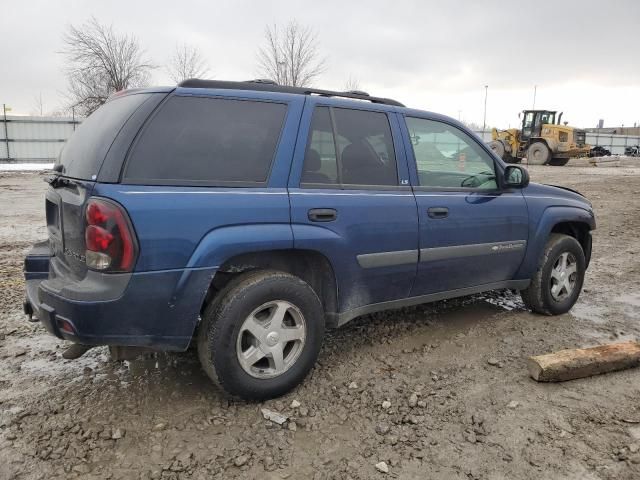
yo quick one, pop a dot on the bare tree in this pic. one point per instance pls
(351, 84)
(187, 62)
(290, 55)
(100, 62)
(38, 105)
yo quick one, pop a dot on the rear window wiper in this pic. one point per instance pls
(56, 180)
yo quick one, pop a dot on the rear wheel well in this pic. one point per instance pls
(308, 265)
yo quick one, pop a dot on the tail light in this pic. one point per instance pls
(109, 238)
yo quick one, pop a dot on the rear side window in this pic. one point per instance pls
(210, 141)
(349, 147)
(85, 151)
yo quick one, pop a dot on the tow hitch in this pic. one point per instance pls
(28, 310)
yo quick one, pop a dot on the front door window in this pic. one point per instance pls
(447, 157)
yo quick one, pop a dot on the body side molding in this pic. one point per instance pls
(403, 257)
(387, 259)
(337, 320)
(472, 250)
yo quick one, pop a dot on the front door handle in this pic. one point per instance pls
(322, 214)
(438, 212)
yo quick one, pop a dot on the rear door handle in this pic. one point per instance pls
(438, 212)
(322, 214)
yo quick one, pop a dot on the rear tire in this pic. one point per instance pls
(559, 162)
(538, 153)
(262, 335)
(554, 289)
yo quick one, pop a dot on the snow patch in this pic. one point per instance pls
(57, 367)
(25, 167)
(44, 358)
(505, 299)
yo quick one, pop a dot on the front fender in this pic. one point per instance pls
(552, 144)
(551, 217)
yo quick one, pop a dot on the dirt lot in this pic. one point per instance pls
(460, 404)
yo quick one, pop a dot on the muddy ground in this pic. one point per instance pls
(460, 404)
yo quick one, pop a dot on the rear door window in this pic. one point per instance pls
(350, 148)
(320, 161)
(207, 141)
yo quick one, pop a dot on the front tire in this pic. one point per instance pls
(557, 283)
(538, 153)
(262, 335)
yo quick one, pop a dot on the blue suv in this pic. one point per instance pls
(247, 217)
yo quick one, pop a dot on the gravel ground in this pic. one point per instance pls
(436, 391)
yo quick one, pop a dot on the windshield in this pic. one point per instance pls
(84, 152)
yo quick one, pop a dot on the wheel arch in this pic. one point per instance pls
(572, 221)
(579, 230)
(309, 265)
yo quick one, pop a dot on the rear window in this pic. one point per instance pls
(85, 151)
(207, 141)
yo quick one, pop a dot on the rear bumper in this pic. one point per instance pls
(158, 309)
(39, 312)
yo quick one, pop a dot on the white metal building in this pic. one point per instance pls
(33, 139)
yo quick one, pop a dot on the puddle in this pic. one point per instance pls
(631, 304)
(164, 372)
(161, 366)
(628, 303)
(592, 313)
(43, 366)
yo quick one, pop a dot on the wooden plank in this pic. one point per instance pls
(584, 362)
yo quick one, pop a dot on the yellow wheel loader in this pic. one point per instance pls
(541, 140)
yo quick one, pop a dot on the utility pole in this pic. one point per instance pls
(6, 130)
(535, 88)
(484, 122)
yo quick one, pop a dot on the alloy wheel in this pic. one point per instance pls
(563, 276)
(271, 339)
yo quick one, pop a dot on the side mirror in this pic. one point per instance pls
(516, 176)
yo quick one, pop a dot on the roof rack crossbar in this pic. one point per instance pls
(272, 87)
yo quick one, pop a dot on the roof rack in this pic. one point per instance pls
(264, 85)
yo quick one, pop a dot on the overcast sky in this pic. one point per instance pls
(434, 55)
